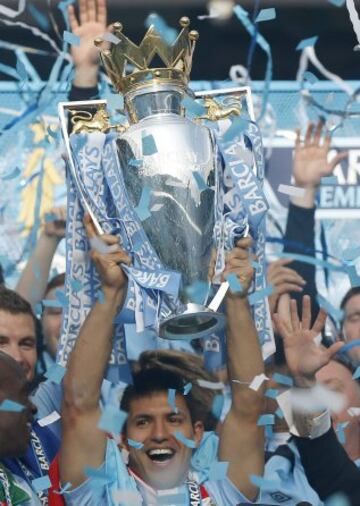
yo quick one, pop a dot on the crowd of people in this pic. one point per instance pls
(283, 431)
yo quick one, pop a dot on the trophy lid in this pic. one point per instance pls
(177, 58)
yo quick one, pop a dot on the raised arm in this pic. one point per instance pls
(90, 23)
(34, 277)
(241, 440)
(83, 444)
(311, 163)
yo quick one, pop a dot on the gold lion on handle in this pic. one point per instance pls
(216, 111)
(86, 122)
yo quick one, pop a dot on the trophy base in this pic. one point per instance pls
(195, 322)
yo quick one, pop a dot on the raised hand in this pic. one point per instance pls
(311, 162)
(311, 157)
(238, 261)
(108, 264)
(90, 25)
(304, 355)
(284, 280)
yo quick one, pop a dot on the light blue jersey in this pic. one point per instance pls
(94, 491)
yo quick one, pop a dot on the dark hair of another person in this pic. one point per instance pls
(349, 294)
(2, 279)
(153, 381)
(55, 282)
(12, 302)
(191, 368)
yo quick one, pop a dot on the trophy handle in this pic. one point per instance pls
(64, 129)
(222, 291)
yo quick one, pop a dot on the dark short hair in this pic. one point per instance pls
(12, 302)
(55, 282)
(349, 294)
(191, 368)
(152, 381)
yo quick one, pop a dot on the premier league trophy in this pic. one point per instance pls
(172, 182)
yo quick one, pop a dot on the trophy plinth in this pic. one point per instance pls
(196, 321)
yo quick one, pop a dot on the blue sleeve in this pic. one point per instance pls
(47, 398)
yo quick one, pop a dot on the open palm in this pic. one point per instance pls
(304, 355)
(311, 157)
(90, 25)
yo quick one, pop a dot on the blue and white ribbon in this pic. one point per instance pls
(243, 202)
(152, 289)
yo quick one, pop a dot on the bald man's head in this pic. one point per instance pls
(14, 426)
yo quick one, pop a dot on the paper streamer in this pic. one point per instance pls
(9, 405)
(292, 191)
(354, 18)
(266, 15)
(49, 419)
(42, 483)
(12, 13)
(310, 42)
(135, 444)
(55, 373)
(243, 16)
(183, 439)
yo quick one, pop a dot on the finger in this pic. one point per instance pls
(308, 135)
(244, 242)
(281, 262)
(334, 349)
(306, 313)
(337, 159)
(287, 288)
(102, 13)
(298, 138)
(236, 262)
(117, 258)
(287, 275)
(236, 254)
(327, 141)
(284, 310)
(295, 322)
(281, 326)
(109, 239)
(320, 321)
(72, 18)
(318, 132)
(244, 274)
(89, 226)
(91, 10)
(83, 11)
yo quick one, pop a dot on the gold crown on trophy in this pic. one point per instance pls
(177, 58)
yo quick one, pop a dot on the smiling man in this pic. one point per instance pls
(18, 342)
(168, 453)
(18, 331)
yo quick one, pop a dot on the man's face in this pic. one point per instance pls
(338, 378)
(18, 339)
(15, 427)
(351, 326)
(163, 462)
(51, 323)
